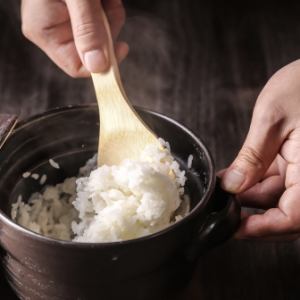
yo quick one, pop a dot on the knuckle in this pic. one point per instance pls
(32, 33)
(26, 30)
(251, 157)
(84, 30)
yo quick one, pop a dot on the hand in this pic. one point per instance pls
(71, 32)
(266, 172)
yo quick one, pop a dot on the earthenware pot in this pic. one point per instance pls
(150, 267)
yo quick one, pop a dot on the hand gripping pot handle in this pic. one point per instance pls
(219, 225)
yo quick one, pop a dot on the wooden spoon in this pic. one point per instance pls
(123, 134)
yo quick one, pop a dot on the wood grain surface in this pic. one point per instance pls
(202, 63)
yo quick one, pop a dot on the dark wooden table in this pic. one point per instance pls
(202, 64)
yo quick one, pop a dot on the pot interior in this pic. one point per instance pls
(70, 137)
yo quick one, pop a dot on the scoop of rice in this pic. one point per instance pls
(111, 203)
(130, 200)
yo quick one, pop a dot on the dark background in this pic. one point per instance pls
(202, 63)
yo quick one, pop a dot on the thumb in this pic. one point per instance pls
(89, 33)
(260, 148)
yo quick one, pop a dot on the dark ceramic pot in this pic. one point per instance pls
(151, 267)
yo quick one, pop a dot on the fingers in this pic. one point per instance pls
(291, 148)
(89, 31)
(66, 57)
(122, 50)
(46, 23)
(282, 238)
(278, 167)
(270, 238)
(260, 226)
(272, 170)
(77, 48)
(115, 13)
(264, 194)
(61, 49)
(38, 15)
(262, 144)
(282, 220)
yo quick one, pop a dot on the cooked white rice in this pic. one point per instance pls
(26, 174)
(54, 164)
(35, 176)
(109, 203)
(43, 179)
(190, 161)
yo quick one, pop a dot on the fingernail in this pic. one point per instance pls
(232, 180)
(95, 61)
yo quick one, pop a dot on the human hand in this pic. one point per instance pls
(266, 172)
(72, 32)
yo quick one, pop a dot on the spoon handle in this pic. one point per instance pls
(112, 75)
(119, 122)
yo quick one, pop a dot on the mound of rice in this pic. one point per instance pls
(109, 203)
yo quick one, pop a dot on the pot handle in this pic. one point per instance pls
(220, 224)
(7, 124)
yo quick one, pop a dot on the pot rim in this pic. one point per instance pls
(192, 214)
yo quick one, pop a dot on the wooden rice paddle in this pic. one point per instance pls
(122, 134)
